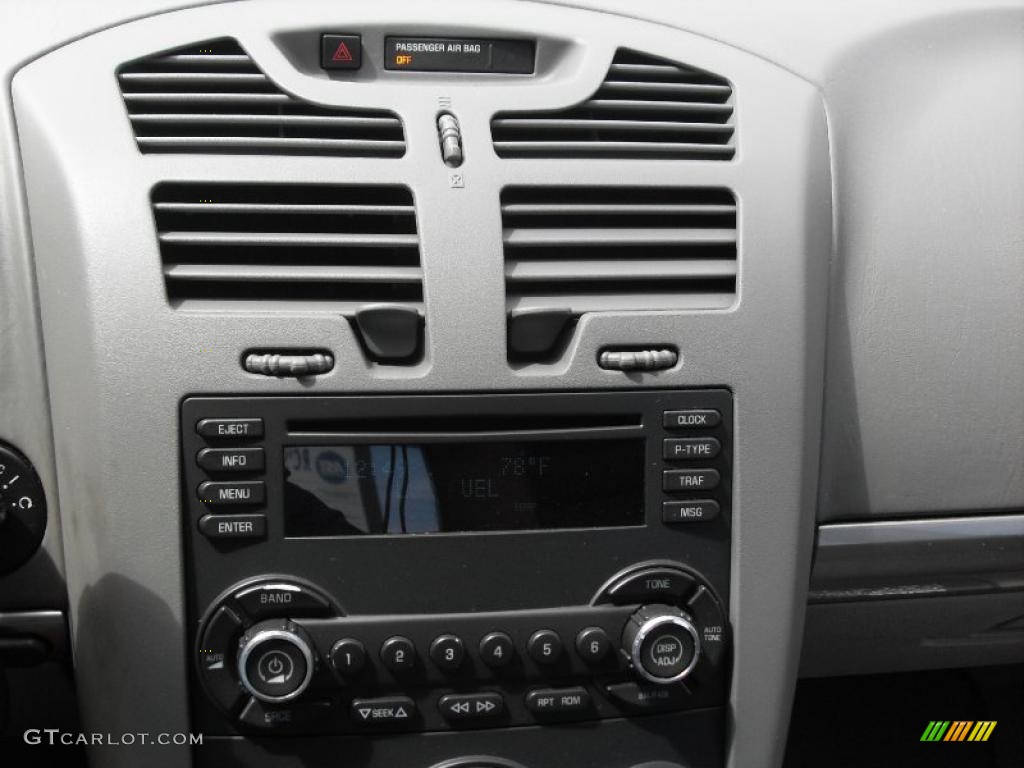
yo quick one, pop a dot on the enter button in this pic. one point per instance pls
(221, 527)
(689, 511)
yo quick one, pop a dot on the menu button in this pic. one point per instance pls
(243, 492)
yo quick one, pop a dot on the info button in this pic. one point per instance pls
(231, 459)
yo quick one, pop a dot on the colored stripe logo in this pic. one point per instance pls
(958, 730)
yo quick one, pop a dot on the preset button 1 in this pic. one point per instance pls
(348, 657)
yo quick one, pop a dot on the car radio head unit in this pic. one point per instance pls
(349, 571)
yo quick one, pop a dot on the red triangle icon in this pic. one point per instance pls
(342, 54)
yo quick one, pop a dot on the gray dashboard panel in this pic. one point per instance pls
(831, 45)
(924, 404)
(115, 344)
(26, 32)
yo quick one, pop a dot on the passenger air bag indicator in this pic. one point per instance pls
(459, 54)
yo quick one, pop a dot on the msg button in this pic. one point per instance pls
(689, 511)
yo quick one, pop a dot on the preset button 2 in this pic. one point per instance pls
(398, 654)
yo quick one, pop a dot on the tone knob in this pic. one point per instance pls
(662, 643)
(275, 660)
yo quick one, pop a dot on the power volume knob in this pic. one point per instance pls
(662, 643)
(275, 661)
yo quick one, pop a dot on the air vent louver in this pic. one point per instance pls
(593, 249)
(244, 246)
(212, 98)
(645, 108)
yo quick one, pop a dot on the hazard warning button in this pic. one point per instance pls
(341, 51)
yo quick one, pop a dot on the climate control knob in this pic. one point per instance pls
(275, 660)
(662, 643)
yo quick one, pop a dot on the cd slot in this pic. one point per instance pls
(440, 428)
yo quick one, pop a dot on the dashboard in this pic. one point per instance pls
(506, 384)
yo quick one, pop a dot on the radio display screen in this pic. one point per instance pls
(410, 488)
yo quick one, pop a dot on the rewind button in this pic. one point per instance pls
(464, 706)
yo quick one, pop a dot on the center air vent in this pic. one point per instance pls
(645, 108)
(212, 98)
(594, 249)
(288, 246)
